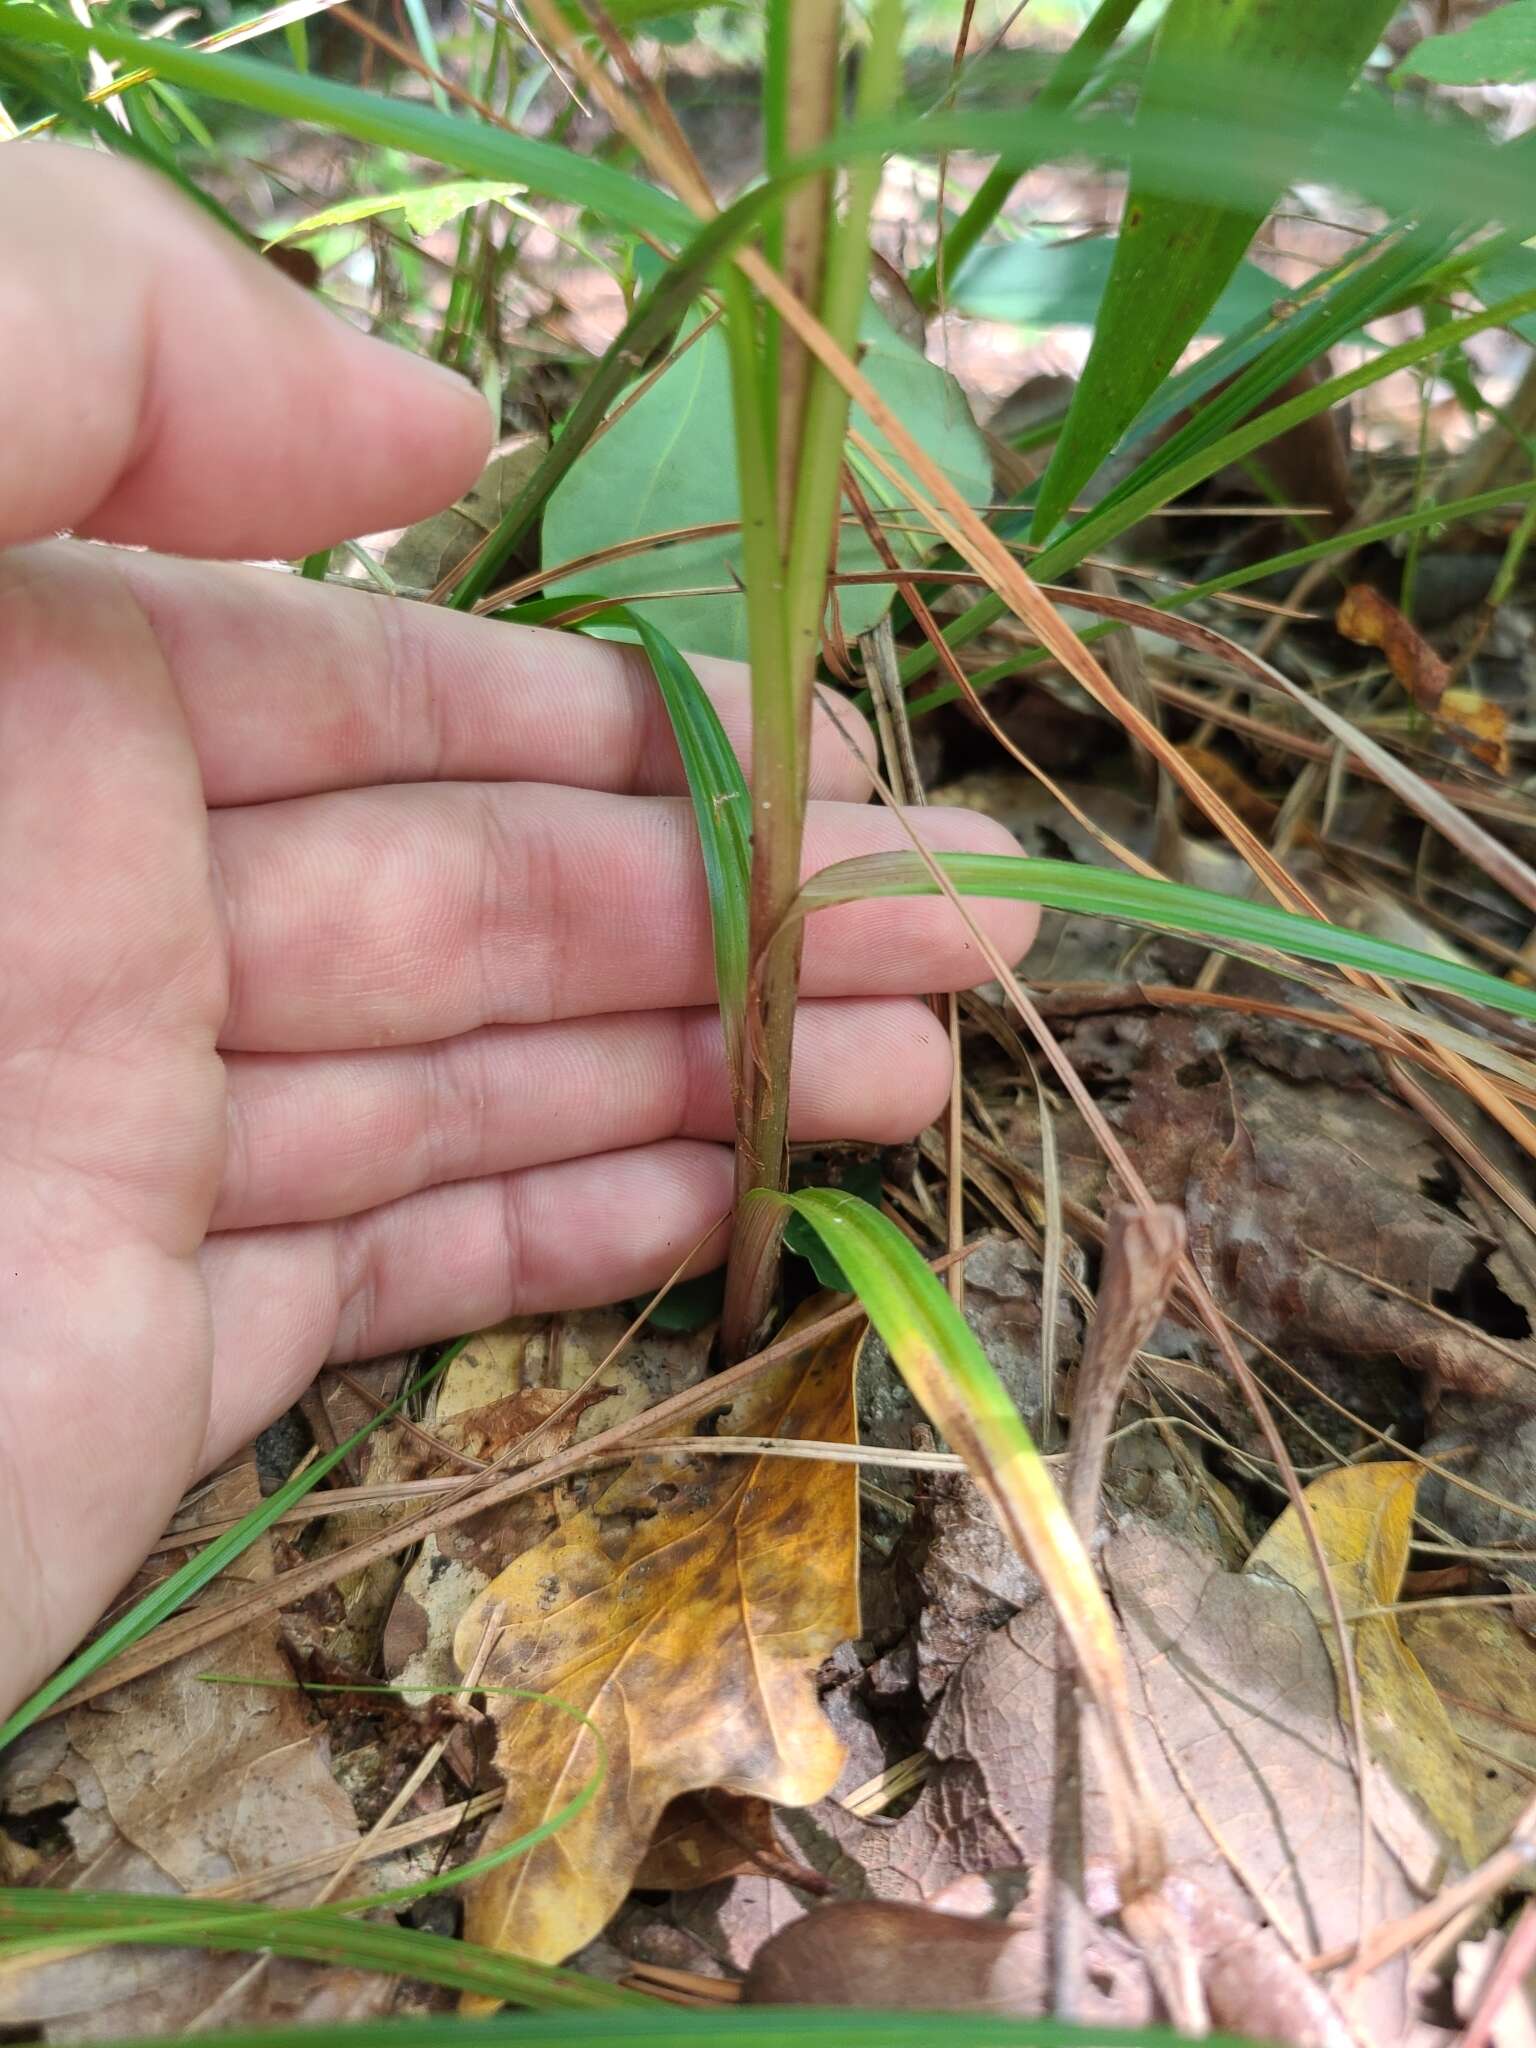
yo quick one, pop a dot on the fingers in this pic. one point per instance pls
(318, 1136)
(399, 916)
(292, 687)
(182, 394)
(455, 1258)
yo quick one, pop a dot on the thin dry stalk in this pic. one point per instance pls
(1142, 1250)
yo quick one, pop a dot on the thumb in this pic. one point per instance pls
(166, 387)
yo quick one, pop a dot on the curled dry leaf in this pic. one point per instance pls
(1364, 1518)
(1471, 721)
(684, 1614)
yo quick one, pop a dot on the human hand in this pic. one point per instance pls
(354, 957)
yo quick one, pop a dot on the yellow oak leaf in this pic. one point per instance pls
(685, 1613)
(1364, 1517)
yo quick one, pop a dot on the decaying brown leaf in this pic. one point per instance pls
(685, 1613)
(1364, 1518)
(1302, 1185)
(434, 548)
(1473, 722)
(526, 1375)
(172, 1785)
(705, 1837)
(1483, 1666)
(1249, 1761)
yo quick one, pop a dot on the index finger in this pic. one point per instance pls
(164, 386)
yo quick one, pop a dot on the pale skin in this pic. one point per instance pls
(354, 957)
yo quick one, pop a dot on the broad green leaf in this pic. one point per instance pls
(426, 207)
(1165, 906)
(1510, 270)
(1499, 48)
(1037, 282)
(670, 462)
(1175, 255)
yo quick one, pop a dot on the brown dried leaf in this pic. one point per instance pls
(1300, 1193)
(173, 1785)
(685, 1612)
(1249, 1762)
(435, 547)
(1474, 723)
(700, 1840)
(1364, 1519)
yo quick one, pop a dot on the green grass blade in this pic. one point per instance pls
(199, 1570)
(615, 197)
(722, 811)
(751, 2026)
(421, 28)
(1072, 72)
(959, 1390)
(1255, 136)
(1176, 252)
(1108, 521)
(1361, 292)
(33, 1922)
(1164, 906)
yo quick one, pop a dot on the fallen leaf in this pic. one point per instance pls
(172, 1785)
(685, 1612)
(1303, 1185)
(1364, 1520)
(703, 1838)
(507, 1382)
(1473, 722)
(434, 548)
(1248, 1760)
(1482, 1664)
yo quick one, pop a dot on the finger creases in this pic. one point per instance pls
(571, 1235)
(405, 915)
(315, 1136)
(293, 688)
